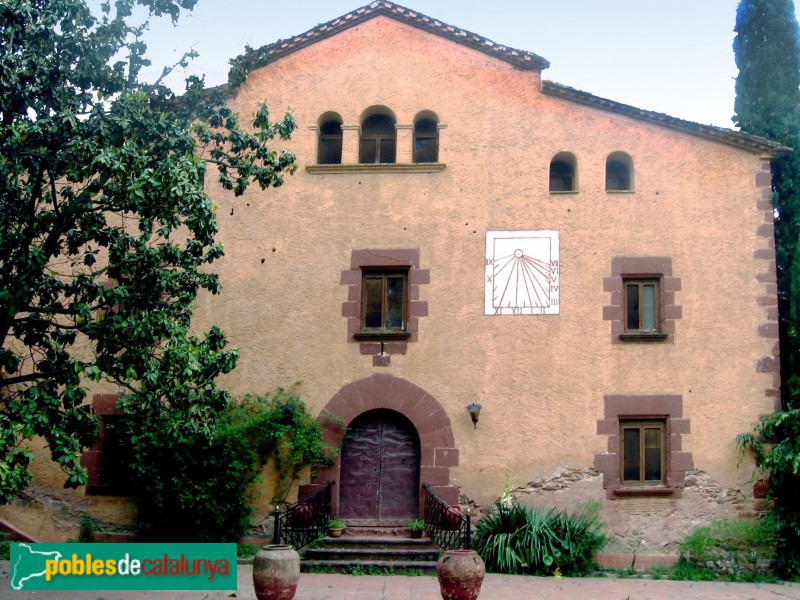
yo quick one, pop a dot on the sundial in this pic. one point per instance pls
(522, 273)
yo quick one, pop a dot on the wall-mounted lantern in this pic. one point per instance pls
(474, 411)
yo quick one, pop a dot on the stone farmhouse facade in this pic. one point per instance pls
(600, 279)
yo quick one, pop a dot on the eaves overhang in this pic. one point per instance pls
(730, 137)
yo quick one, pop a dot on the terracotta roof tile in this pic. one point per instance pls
(519, 58)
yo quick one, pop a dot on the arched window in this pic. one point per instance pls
(619, 172)
(378, 140)
(329, 151)
(426, 141)
(563, 173)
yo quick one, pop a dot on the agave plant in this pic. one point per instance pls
(523, 540)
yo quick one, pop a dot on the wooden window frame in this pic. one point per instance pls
(641, 425)
(383, 332)
(640, 282)
(377, 140)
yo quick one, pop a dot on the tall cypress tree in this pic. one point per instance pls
(767, 49)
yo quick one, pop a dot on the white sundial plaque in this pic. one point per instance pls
(522, 273)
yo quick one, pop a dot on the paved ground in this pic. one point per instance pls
(495, 587)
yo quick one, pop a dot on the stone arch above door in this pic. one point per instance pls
(437, 443)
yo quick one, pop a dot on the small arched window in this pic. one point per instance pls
(378, 140)
(329, 151)
(619, 172)
(563, 173)
(426, 141)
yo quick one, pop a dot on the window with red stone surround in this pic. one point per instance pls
(629, 268)
(102, 460)
(382, 347)
(666, 409)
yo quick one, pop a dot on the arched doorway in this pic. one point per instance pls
(428, 418)
(380, 465)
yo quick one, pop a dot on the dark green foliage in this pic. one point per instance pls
(106, 234)
(520, 540)
(767, 48)
(86, 533)
(776, 445)
(767, 51)
(196, 488)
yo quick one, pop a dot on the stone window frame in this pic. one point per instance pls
(105, 408)
(666, 408)
(627, 268)
(382, 347)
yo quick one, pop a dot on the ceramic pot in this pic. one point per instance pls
(460, 574)
(276, 570)
(335, 533)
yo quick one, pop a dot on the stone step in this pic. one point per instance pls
(354, 554)
(372, 541)
(368, 567)
(379, 531)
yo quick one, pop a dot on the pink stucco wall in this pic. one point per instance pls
(541, 379)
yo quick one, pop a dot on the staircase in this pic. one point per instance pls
(372, 551)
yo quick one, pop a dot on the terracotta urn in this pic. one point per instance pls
(460, 574)
(276, 570)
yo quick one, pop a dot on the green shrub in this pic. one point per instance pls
(196, 487)
(521, 540)
(86, 533)
(246, 550)
(5, 550)
(736, 545)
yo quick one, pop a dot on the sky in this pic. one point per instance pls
(669, 56)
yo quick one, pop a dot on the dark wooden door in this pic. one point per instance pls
(380, 470)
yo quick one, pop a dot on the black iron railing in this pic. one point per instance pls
(302, 523)
(447, 526)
